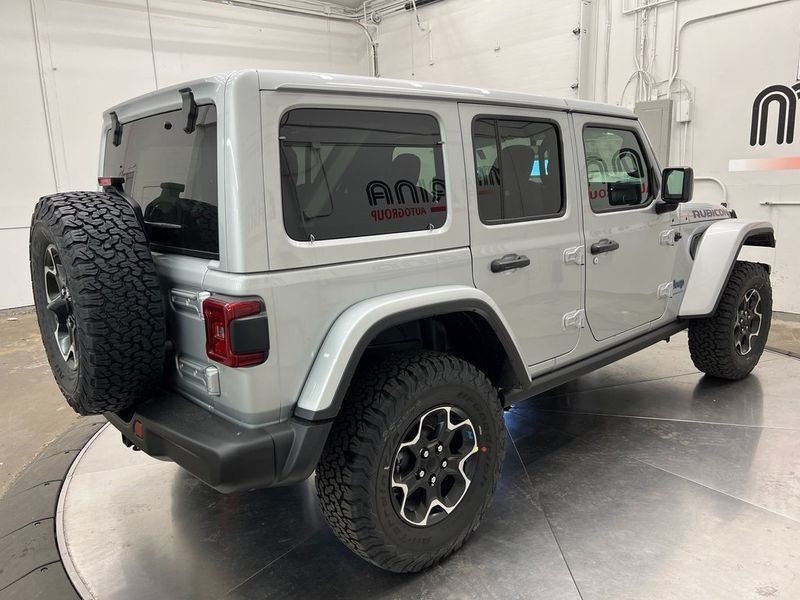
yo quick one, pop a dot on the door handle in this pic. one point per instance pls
(605, 245)
(510, 261)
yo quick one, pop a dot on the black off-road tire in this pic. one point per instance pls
(114, 298)
(712, 342)
(353, 476)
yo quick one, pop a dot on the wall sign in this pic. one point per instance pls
(774, 106)
(784, 99)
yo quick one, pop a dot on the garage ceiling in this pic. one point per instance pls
(348, 3)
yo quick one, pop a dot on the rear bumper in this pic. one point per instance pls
(225, 456)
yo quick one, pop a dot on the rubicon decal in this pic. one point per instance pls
(710, 213)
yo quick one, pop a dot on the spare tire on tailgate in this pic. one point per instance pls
(98, 301)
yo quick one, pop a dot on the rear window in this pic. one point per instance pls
(348, 173)
(172, 175)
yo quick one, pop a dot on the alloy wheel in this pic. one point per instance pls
(433, 466)
(748, 322)
(59, 304)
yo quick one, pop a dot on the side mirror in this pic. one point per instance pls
(678, 185)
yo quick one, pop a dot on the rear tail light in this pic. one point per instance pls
(237, 334)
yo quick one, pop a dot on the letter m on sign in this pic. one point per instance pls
(785, 98)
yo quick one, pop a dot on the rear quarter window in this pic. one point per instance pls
(172, 175)
(351, 173)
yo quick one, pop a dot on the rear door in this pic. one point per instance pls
(629, 255)
(524, 223)
(173, 176)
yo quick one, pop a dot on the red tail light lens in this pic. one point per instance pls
(220, 346)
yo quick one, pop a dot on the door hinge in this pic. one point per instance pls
(574, 255)
(188, 300)
(573, 318)
(665, 290)
(670, 237)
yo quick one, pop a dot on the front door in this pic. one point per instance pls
(524, 220)
(629, 255)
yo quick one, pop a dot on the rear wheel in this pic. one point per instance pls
(98, 300)
(412, 460)
(729, 344)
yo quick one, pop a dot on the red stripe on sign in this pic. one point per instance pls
(438, 208)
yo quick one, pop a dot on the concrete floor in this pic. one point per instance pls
(784, 335)
(33, 412)
(644, 479)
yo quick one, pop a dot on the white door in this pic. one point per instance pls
(629, 262)
(524, 219)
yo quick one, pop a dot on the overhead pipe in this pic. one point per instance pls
(607, 60)
(675, 61)
(48, 120)
(719, 183)
(641, 7)
(315, 9)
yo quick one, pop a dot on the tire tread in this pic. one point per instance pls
(357, 437)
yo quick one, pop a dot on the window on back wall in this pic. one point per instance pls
(518, 170)
(348, 173)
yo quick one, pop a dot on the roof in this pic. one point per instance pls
(354, 84)
(213, 87)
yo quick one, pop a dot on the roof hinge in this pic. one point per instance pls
(189, 109)
(116, 128)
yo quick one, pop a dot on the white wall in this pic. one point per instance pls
(95, 53)
(724, 62)
(518, 45)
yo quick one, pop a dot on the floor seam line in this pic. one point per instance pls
(28, 489)
(547, 519)
(270, 563)
(39, 520)
(36, 568)
(708, 487)
(619, 416)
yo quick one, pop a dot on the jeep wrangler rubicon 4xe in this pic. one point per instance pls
(286, 273)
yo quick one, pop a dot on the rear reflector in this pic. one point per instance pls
(220, 316)
(107, 182)
(138, 429)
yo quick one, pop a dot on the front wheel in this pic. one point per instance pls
(412, 459)
(729, 344)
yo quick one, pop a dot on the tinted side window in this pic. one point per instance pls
(172, 175)
(617, 168)
(348, 173)
(518, 170)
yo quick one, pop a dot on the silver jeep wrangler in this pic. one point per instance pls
(287, 273)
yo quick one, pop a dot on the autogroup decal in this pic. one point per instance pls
(405, 192)
(774, 106)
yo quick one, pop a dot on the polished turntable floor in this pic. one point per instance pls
(641, 480)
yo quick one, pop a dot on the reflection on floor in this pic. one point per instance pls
(642, 480)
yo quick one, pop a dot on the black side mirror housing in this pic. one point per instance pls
(678, 185)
